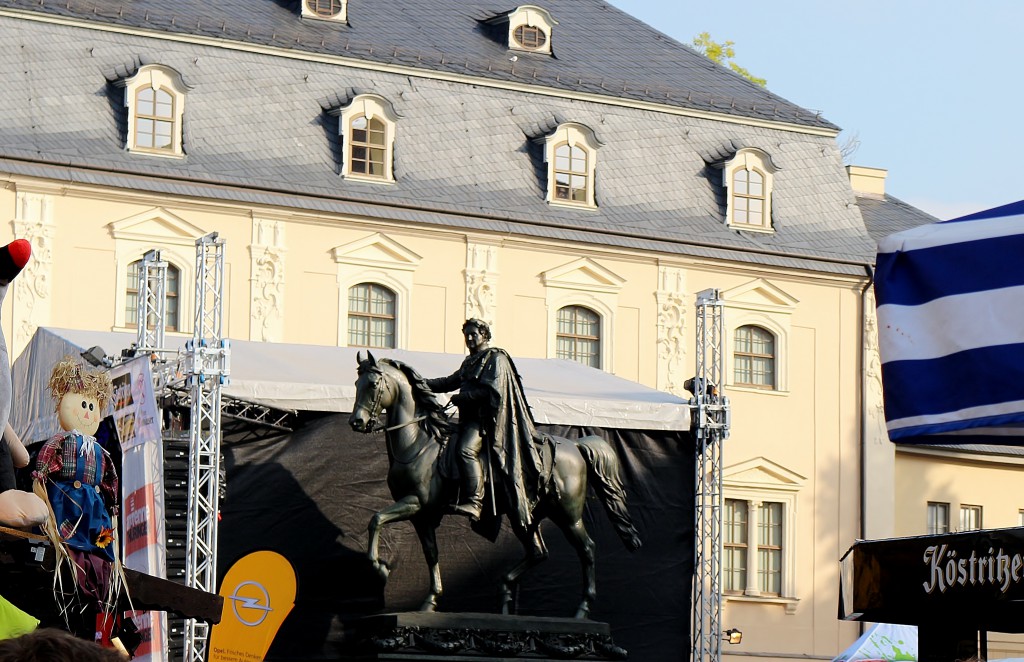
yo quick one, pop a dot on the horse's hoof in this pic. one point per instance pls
(430, 604)
(583, 613)
(382, 570)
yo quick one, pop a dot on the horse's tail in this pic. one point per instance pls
(603, 465)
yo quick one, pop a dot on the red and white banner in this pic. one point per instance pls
(142, 491)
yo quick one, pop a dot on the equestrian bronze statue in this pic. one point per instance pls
(492, 463)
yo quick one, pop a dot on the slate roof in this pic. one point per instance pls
(465, 155)
(597, 48)
(887, 215)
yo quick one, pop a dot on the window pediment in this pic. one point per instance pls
(157, 225)
(760, 295)
(376, 250)
(583, 274)
(760, 473)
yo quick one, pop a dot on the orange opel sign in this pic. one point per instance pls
(259, 593)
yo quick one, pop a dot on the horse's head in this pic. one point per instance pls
(375, 391)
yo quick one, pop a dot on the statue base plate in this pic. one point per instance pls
(467, 637)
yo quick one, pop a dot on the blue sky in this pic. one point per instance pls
(931, 89)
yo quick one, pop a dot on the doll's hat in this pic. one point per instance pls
(13, 258)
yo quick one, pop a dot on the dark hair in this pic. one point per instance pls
(51, 644)
(481, 325)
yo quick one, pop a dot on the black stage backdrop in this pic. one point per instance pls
(309, 495)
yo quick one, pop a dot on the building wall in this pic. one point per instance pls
(809, 431)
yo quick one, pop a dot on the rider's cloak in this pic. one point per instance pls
(514, 448)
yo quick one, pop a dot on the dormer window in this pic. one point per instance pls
(328, 10)
(155, 98)
(748, 179)
(366, 128)
(571, 155)
(529, 37)
(529, 28)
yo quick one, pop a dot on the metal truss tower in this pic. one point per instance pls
(711, 426)
(152, 304)
(207, 370)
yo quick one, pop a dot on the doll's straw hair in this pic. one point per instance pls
(70, 376)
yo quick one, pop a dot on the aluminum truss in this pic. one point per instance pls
(711, 418)
(208, 361)
(152, 306)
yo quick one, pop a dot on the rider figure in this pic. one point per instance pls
(493, 411)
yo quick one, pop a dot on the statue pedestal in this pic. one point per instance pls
(443, 637)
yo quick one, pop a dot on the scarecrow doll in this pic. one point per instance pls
(78, 477)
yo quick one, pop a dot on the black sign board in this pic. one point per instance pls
(974, 579)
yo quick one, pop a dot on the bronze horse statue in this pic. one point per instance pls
(415, 424)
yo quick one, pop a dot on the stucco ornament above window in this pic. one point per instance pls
(326, 10)
(530, 28)
(155, 98)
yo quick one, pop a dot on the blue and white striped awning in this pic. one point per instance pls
(950, 302)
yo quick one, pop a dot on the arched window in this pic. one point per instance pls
(371, 316)
(154, 119)
(579, 336)
(571, 155)
(754, 357)
(749, 203)
(571, 181)
(366, 129)
(155, 97)
(171, 291)
(367, 145)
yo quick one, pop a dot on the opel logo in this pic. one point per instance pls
(250, 606)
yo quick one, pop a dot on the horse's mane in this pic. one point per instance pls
(437, 422)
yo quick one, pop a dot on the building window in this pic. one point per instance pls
(749, 179)
(752, 569)
(171, 298)
(529, 28)
(748, 191)
(571, 154)
(366, 128)
(331, 10)
(571, 173)
(154, 119)
(366, 147)
(579, 336)
(529, 37)
(754, 357)
(769, 548)
(970, 517)
(371, 316)
(734, 543)
(938, 517)
(155, 97)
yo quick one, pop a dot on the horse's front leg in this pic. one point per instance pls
(401, 510)
(428, 540)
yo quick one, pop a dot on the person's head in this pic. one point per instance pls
(50, 644)
(477, 334)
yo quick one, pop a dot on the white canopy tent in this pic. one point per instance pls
(882, 641)
(321, 378)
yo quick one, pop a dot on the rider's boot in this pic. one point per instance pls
(473, 491)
